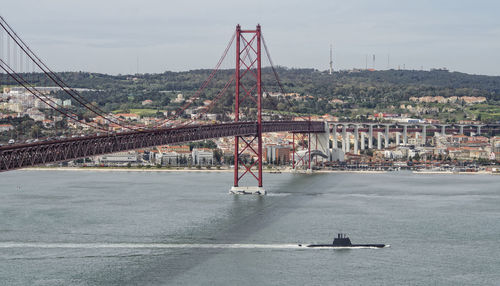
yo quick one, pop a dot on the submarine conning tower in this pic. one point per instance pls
(342, 240)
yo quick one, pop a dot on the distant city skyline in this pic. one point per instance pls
(154, 36)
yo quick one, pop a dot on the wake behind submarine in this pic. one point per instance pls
(343, 241)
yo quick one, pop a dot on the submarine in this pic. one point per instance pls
(343, 241)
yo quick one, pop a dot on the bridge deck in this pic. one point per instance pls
(26, 155)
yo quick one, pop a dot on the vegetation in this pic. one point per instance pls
(359, 93)
(141, 111)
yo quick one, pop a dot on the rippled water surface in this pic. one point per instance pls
(140, 228)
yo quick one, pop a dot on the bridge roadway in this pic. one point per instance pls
(417, 127)
(27, 155)
(420, 129)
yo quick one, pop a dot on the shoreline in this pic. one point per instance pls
(454, 173)
(76, 169)
(288, 171)
(111, 169)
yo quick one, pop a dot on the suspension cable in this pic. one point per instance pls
(202, 87)
(35, 92)
(214, 101)
(307, 118)
(54, 77)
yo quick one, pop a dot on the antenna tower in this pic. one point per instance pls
(331, 59)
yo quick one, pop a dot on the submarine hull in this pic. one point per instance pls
(342, 241)
(347, 246)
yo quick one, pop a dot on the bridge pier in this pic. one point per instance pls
(320, 142)
(387, 136)
(405, 135)
(327, 139)
(424, 134)
(370, 136)
(334, 135)
(363, 134)
(356, 138)
(379, 140)
(348, 142)
(461, 129)
(344, 136)
(248, 190)
(398, 138)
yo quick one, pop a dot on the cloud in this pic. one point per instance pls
(192, 34)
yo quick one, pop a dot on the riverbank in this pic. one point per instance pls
(225, 170)
(352, 171)
(455, 173)
(110, 169)
(114, 169)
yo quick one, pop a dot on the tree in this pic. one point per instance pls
(35, 131)
(218, 155)
(165, 100)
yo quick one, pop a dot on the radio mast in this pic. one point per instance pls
(331, 59)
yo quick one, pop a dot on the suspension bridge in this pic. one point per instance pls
(18, 58)
(18, 62)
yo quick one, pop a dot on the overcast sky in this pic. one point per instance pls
(109, 36)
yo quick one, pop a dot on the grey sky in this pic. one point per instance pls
(108, 36)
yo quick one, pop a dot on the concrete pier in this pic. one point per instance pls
(379, 141)
(370, 136)
(326, 140)
(356, 139)
(348, 142)
(363, 134)
(387, 136)
(405, 135)
(344, 136)
(424, 134)
(398, 140)
(247, 191)
(334, 135)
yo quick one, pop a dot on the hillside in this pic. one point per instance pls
(345, 93)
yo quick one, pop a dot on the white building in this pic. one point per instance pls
(170, 158)
(394, 154)
(35, 114)
(119, 158)
(180, 98)
(173, 158)
(337, 155)
(16, 107)
(202, 156)
(211, 116)
(6, 127)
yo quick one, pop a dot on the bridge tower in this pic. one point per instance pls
(248, 91)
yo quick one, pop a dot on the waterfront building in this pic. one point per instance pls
(119, 158)
(6, 127)
(202, 156)
(277, 154)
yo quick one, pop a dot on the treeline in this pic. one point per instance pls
(361, 89)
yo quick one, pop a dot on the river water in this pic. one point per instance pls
(147, 228)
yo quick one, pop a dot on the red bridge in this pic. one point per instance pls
(248, 96)
(248, 104)
(26, 155)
